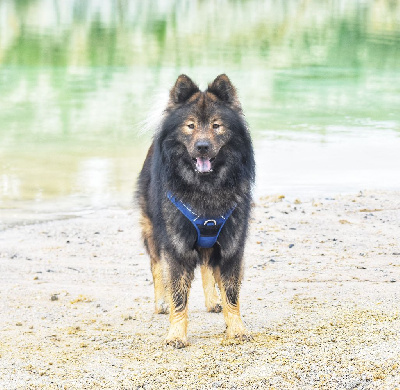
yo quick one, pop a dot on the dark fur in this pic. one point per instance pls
(169, 166)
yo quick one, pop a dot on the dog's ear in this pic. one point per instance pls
(224, 90)
(183, 89)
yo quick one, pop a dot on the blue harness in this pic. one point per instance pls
(208, 228)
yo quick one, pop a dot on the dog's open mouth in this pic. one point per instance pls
(203, 164)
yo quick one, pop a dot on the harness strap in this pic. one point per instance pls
(208, 228)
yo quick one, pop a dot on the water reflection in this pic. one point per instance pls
(176, 33)
(95, 180)
(77, 78)
(10, 186)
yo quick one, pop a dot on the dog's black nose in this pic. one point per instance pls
(202, 146)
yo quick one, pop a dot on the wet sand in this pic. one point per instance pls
(320, 295)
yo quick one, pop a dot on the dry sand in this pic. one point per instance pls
(320, 294)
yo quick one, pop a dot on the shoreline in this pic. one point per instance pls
(32, 212)
(320, 295)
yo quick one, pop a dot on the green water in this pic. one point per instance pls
(319, 82)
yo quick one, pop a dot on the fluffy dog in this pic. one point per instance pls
(194, 192)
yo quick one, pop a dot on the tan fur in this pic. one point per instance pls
(194, 97)
(177, 334)
(178, 318)
(147, 234)
(212, 300)
(234, 324)
(160, 300)
(161, 306)
(212, 97)
(197, 132)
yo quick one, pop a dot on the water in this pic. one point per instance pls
(319, 83)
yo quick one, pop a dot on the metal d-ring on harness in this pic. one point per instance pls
(207, 228)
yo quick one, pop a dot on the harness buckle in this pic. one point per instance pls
(210, 220)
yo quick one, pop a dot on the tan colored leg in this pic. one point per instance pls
(178, 293)
(234, 324)
(177, 334)
(213, 302)
(161, 306)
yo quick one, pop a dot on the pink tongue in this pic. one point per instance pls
(203, 164)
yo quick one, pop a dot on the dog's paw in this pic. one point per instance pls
(236, 339)
(244, 337)
(176, 343)
(238, 333)
(161, 307)
(217, 308)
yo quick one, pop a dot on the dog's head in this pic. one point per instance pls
(203, 119)
(204, 139)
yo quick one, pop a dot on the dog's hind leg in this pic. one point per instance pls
(213, 302)
(180, 279)
(229, 280)
(160, 298)
(161, 306)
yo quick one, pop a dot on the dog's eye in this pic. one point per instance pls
(216, 126)
(191, 126)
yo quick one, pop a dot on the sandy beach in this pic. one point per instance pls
(320, 295)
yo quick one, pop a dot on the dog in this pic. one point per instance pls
(194, 193)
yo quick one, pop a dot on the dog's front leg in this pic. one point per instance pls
(228, 277)
(180, 279)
